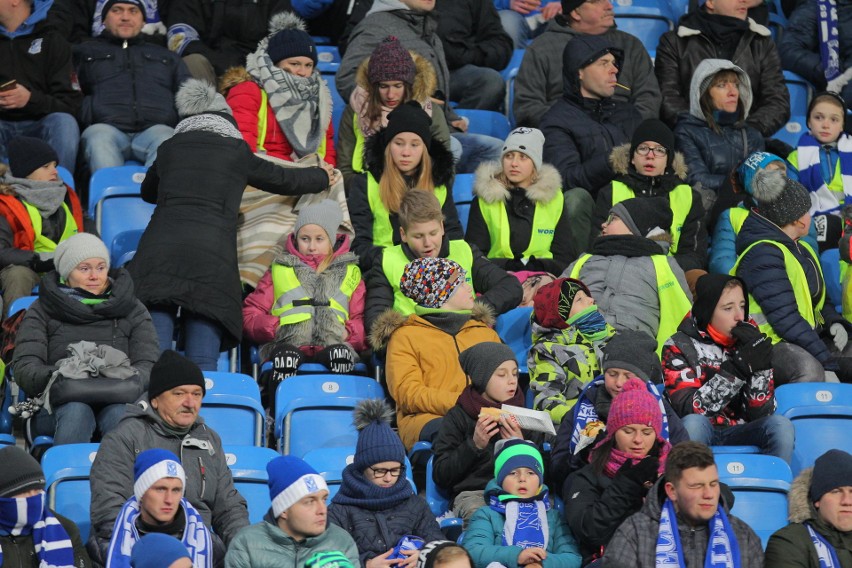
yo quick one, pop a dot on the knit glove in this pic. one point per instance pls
(285, 359)
(41, 266)
(339, 358)
(839, 335)
(644, 472)
(754, 351)
(836, 85)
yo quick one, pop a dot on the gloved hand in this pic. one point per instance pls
(285, 359)
(644, 472)
(753, 352)
(845, 372)
(839, 335)
(836, 85)
(41, 266)
(339, 358)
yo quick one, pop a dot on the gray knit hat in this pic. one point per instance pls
(20, 472)
(779, 198)
(529, 141)
(481, 360)
(326, 214)
(832, 469)
(633, 351)
(76, 249)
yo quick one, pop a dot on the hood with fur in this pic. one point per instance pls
(620, 158)
(491, 190)
(442, 159)
(799, 506)
(425, 79)
(391, 320)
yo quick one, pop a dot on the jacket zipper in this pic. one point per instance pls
(203, 477)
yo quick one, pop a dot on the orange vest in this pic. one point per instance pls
(16, 215)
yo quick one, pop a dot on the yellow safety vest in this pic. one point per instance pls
(737, 215)
(674, 303)
(680, 201)
(294, 305)
(358, 152)
(42, 243)
(798, 280)
(382, 228)
(545, 219)
(394, 262)
(262, 113)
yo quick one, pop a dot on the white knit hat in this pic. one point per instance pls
(77, 248)
(529, 141)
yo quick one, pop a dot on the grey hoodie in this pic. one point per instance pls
(701, 81)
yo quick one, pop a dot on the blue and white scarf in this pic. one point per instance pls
(823, 199)
(196, 536)
(829, 38)
(526, 519)
(585, 412)
(825, 552)
(723, 550)
(29, 515)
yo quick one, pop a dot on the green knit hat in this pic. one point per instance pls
(514, 453)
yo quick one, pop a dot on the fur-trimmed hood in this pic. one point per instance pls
(491, 190)
(425, 79)
(232, 77)
(391, 320)
(799, 506)
(442, 159)
(619, 159)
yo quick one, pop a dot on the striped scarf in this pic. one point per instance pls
(196, 536)
(829, 38)
(29, 515)
(526, 523)
(723, 550)
(825, 552)
(823, 199)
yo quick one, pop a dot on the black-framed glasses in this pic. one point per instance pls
(379, 472)
(644, 150)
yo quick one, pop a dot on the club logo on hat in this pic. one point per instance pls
(311, 484)
(171, 469)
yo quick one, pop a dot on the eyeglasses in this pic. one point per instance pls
(379, 472)
(644, 150)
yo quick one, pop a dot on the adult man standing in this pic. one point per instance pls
(168, 419)
(539, 81)
(294, 531)
(721, 29)
(685, 521)
(36, 95)
(129, 86)
(820, 529)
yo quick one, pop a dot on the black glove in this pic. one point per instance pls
(285, 359)
(643, 472)
(339, 358)
(845, 372)
(41, 266)
(754, 351)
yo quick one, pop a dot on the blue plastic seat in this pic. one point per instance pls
(463, 188)
(463, 211)
(7, 440)
(800, 93)
(248, 468)
(119, 213)
(337, 102)
(66, 176)
(792, 131)
(437, 498)
(328, 59)
(232, 408)
(126, 178)
(315, 411)
(514, 64)
(645, 19)
(830, 262)
(22, 303)
(124, 246)
(760, 484)
(821, 413)
(487, 122)
(718, 450)
(330, 463)
(66, 471)
(515, 329)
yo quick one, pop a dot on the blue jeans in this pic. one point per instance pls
(201, 337)
(105, 146)
(518, 28)
(773, 434)
(59, 129)
(477, 87)
(75, 422)
(475, 149)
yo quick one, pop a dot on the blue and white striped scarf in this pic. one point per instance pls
(723, 550)
(823, 200)
(196, 536)
(825, 552)
(829, 38)
(526, 519)
(29, 515)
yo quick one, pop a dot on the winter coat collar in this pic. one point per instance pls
(630, 245)
(758, 228)
(425, 79)
(143, 411)
(62, 307)
(442, 159)
(390, 320)
(620, 158)
(688, 27)
(491, 190)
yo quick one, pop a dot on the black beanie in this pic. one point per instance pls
(20, 472)
(27, 154)
(708, 290)
(643, 215)
(832, 469)
(291, 43)
(409, 117)
(109, 4)
(633, 351)
(481, 360)
(171, 371)
(654, 130)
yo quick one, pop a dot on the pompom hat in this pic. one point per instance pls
(431, 281)
(634, 405)
(290, 39)
(290, 480)
(154, 465)
(390, 62)
(377, 442)
(779, 198)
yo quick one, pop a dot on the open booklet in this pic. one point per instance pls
(535, 420)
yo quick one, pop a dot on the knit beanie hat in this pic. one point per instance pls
(196, 96)
(779, 199)
(152, 466)
(429, 552)
(390, 62)
(431, 281)
(552, 303)
(27, 154)
(377, 442)
(173, 370)
(327, 214)
(481, 360)
(291, 40)
(644, 216)
(832, 469)
(110, 3)
(634, 405)
(513, 453)
(291, 479)
(755, 162)
(708, 290)
(569, 5)
(20, 472)
(529, 141)
(328, 559)
(633, 351)
(157, 550)
(77, 248)
(654, 130)
(408, 117)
